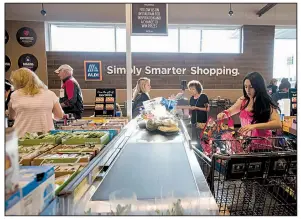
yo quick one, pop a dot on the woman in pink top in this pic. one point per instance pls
(258, 112)
(258, 116)
(32, 105)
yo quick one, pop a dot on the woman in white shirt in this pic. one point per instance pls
(32, 105)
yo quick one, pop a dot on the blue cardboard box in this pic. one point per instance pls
(37, 190)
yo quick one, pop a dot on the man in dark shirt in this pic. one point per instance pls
(71, 98)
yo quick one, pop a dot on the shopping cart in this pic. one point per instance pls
(259, 179)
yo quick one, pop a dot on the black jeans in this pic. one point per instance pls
(195, 135)
(77, 115)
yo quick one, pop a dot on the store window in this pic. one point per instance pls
(207, 40)
(221, 41)
(285, 49)
(148, 43)
(112, 38)
(190, 40)
(82, 38)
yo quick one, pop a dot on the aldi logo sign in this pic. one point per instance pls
(93, 70)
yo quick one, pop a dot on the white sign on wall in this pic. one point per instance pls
(194, 70)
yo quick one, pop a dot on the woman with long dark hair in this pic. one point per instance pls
(258, 112)
(258, 116)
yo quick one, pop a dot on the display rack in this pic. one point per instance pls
(68, 198)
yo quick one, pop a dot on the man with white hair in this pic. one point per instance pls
(71, 99)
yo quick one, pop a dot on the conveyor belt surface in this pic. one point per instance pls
(150, 167)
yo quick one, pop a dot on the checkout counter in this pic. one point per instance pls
(144, 172)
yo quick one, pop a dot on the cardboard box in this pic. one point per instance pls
(25, 159)
(294, 125)
(105, 139)
(78, 158)
(50, 210)
(78, 149)
(37, 183)
(288, 121)
(64, 170)
(36, 191)
(13, 204)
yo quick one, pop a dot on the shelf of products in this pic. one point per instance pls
(69, 152)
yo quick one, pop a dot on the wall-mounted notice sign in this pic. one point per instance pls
(149, 19)
(93, 70)
(105, 102)
(26, 37)
(293, 97)
(28, 61)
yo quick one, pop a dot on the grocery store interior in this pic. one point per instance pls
(151, 109)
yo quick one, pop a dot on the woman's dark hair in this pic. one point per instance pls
(285, 85)
(283, 80)
(8, 85)
(263, 104)
(198, 86)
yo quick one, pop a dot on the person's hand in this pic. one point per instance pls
(172, 97)
(193, 108)
(221, 116)
(247, 128)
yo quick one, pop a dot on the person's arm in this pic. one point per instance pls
(273, 123)
(233, 110)
(184, 107)
(11, 112)
(57, 111)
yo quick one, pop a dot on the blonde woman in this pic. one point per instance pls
(140, 94)
(32, 105)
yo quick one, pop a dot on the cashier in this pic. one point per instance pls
(140, 94)
(199, 108)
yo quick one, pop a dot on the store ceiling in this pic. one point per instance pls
(281, 14)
